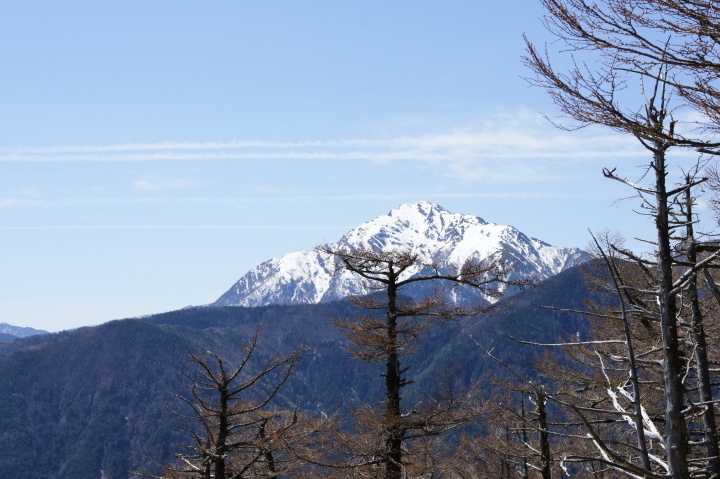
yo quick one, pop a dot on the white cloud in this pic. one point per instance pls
(152, 183)
(521, 136)
(514, 148)
(492, 156)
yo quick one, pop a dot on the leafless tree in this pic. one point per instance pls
(395, 323)
(608, 394)
(232, 433)
(611, 42)
(670, 47)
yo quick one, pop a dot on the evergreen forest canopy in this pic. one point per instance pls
(629, 389)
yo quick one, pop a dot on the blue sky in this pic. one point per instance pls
(153, 152)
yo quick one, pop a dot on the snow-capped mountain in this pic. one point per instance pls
(437, 236)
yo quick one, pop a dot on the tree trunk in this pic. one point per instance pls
(545, 460)
(698, 332)
(525, 474)
(393, 382)
(676, 437)
(222, 433)
(269, 457)
(632, 365)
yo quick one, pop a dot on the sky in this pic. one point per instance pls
(151, 153)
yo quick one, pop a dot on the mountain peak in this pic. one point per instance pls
(428, 230)
(424, 208)
(425, 211)
(410, 224)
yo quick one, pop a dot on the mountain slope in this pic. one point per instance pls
(91, 402)
(437, 236)
(5, 337)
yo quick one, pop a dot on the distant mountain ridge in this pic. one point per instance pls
(19, 331)
(436, 235)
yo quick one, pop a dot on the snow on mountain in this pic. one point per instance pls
(426, 229)
(19, 331)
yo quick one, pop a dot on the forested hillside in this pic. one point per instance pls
(80, 402)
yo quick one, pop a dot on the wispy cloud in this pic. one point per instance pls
(168, 227)
(244, 200)
(184, 145)
(154, 183)
(510, 137)
(517, 148)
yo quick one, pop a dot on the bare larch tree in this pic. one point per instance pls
(232, 432)
(671, 46)
(393, 331)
